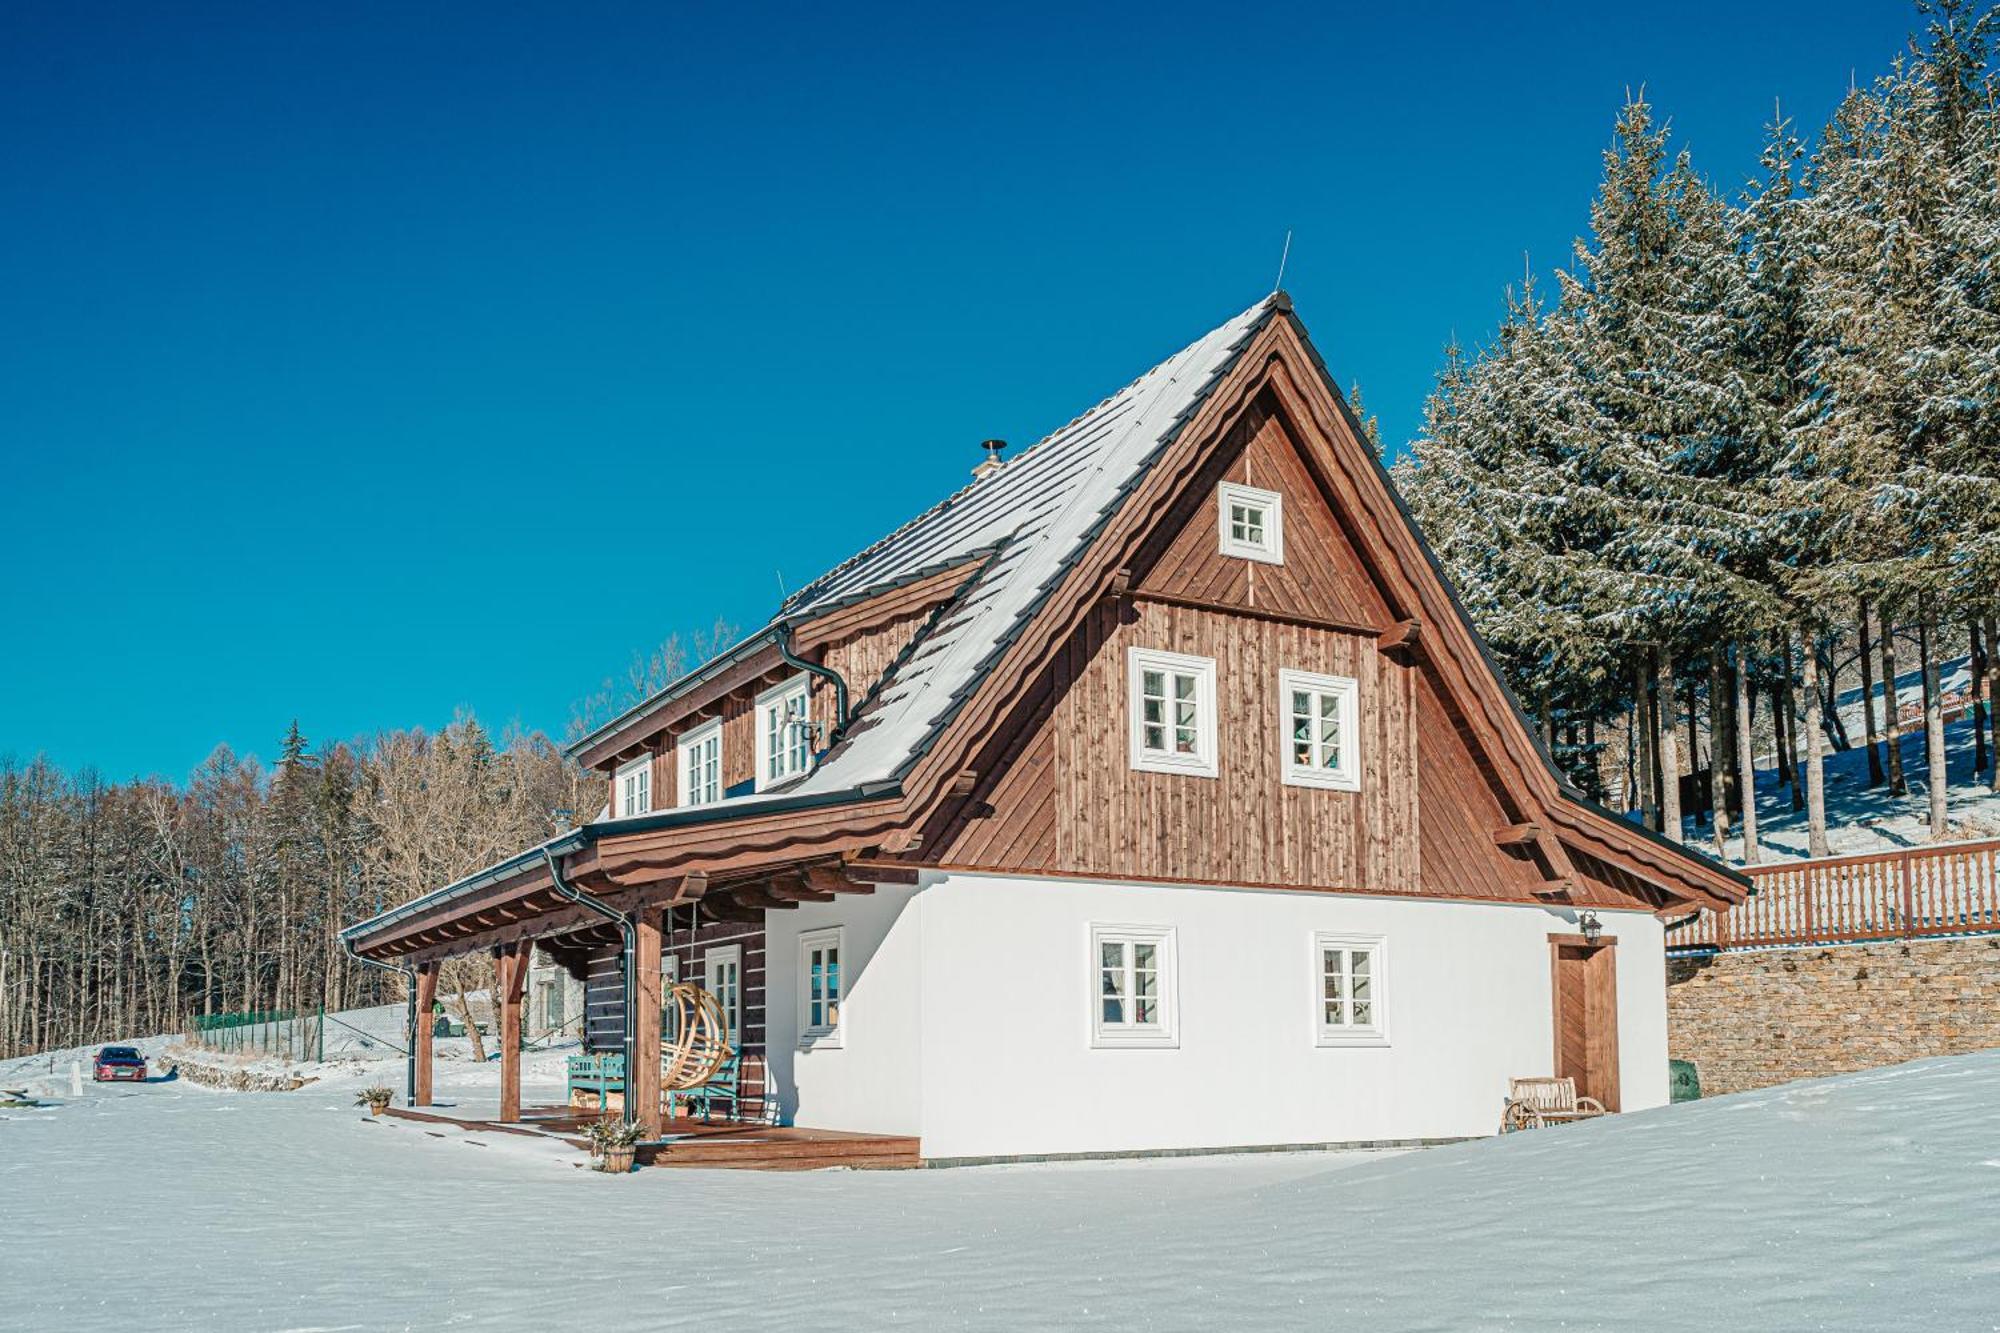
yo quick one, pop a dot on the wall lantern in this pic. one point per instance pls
(1592, 928)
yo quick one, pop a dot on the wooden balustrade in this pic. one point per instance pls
(1946, 889)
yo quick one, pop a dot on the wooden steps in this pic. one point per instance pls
(720, 1146)
(787, 1150)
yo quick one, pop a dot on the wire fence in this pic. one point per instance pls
(296, 1036)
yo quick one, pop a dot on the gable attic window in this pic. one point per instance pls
(701, 764)
(635, 787)
(1172, 712)
(1317, 728)
(1252, 522)
(784, 733)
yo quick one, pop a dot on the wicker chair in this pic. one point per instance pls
(1534, 1102)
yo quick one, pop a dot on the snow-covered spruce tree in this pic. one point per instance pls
(1768, 475)
(1895, 439)
(1650, 316)
(1371, 427)
(1490, 484)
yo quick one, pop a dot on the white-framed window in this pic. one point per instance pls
(1251, 522)
(820, 987)
(1132, 986)
(784, 732)
(722, 977)
(1172, 712)
(635, 787)
(1349, 976)
(701, 764)
(1318, 730)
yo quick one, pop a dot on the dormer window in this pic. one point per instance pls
(701, 764)
(784, 733)
(634, 787)
(1252, 522)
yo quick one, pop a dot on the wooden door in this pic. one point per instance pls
(1586, 1015)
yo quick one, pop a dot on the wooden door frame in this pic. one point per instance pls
(1600, 1002)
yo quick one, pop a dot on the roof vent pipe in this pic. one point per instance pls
(992, 463)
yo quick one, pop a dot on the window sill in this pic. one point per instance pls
(1335, 1040)
(1189, 768)
(824, 1040)
(1261, 554)
(1134, 1041)
(1321, 781)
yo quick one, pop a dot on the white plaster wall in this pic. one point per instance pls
(1007, 988)
(1642, 1008)
(870, 1082)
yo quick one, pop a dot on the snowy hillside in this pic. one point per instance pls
(1864, 819)
(1864, 1202)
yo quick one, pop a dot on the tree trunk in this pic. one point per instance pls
(1993, 696)
(472, 1029)
(1815, 736)
(1836, 730)
(1977, 689)
(1649, 805)
(1892, 709)
(1935, 776)
(1670, 766)
(1868, 701)
(1718, 748)
(1788, 709)
(1746, 755)
(1694, 745)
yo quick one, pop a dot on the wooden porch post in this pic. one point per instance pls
(420, 1044)
(642, 1083)
(514, 960)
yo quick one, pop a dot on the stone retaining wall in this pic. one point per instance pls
(236, 1079)
(1749, 1020)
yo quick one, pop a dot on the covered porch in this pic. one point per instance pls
(629, 930)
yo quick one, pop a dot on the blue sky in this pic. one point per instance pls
(365, 366)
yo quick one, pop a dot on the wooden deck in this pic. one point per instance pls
(724, 1144)
(1939, 889)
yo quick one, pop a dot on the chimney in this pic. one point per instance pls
(992, 463)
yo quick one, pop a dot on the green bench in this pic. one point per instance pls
(601, 1073)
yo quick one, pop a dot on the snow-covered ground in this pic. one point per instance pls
(1870, 1201)
(1861, 818)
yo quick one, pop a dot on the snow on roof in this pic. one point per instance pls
(1029, 520)
(1040, 511)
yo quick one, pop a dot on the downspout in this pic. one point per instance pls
(783, 638)
(409, 975)
(631, 938)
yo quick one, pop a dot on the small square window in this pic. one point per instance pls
(1172, 712)
(1317, 730)
(634, 786)
(1349, 974)
(701, 764)
(1252, 522)
(820, 987)
(1132, 986)
(784, 733)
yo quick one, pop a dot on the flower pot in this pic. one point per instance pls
(617, 1161)
(377, 1108)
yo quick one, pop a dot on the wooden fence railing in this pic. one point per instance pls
(1948, 889)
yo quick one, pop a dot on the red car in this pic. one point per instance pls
(115, 1063)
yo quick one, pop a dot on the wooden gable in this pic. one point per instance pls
(1448, 792)
(1320, 578)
